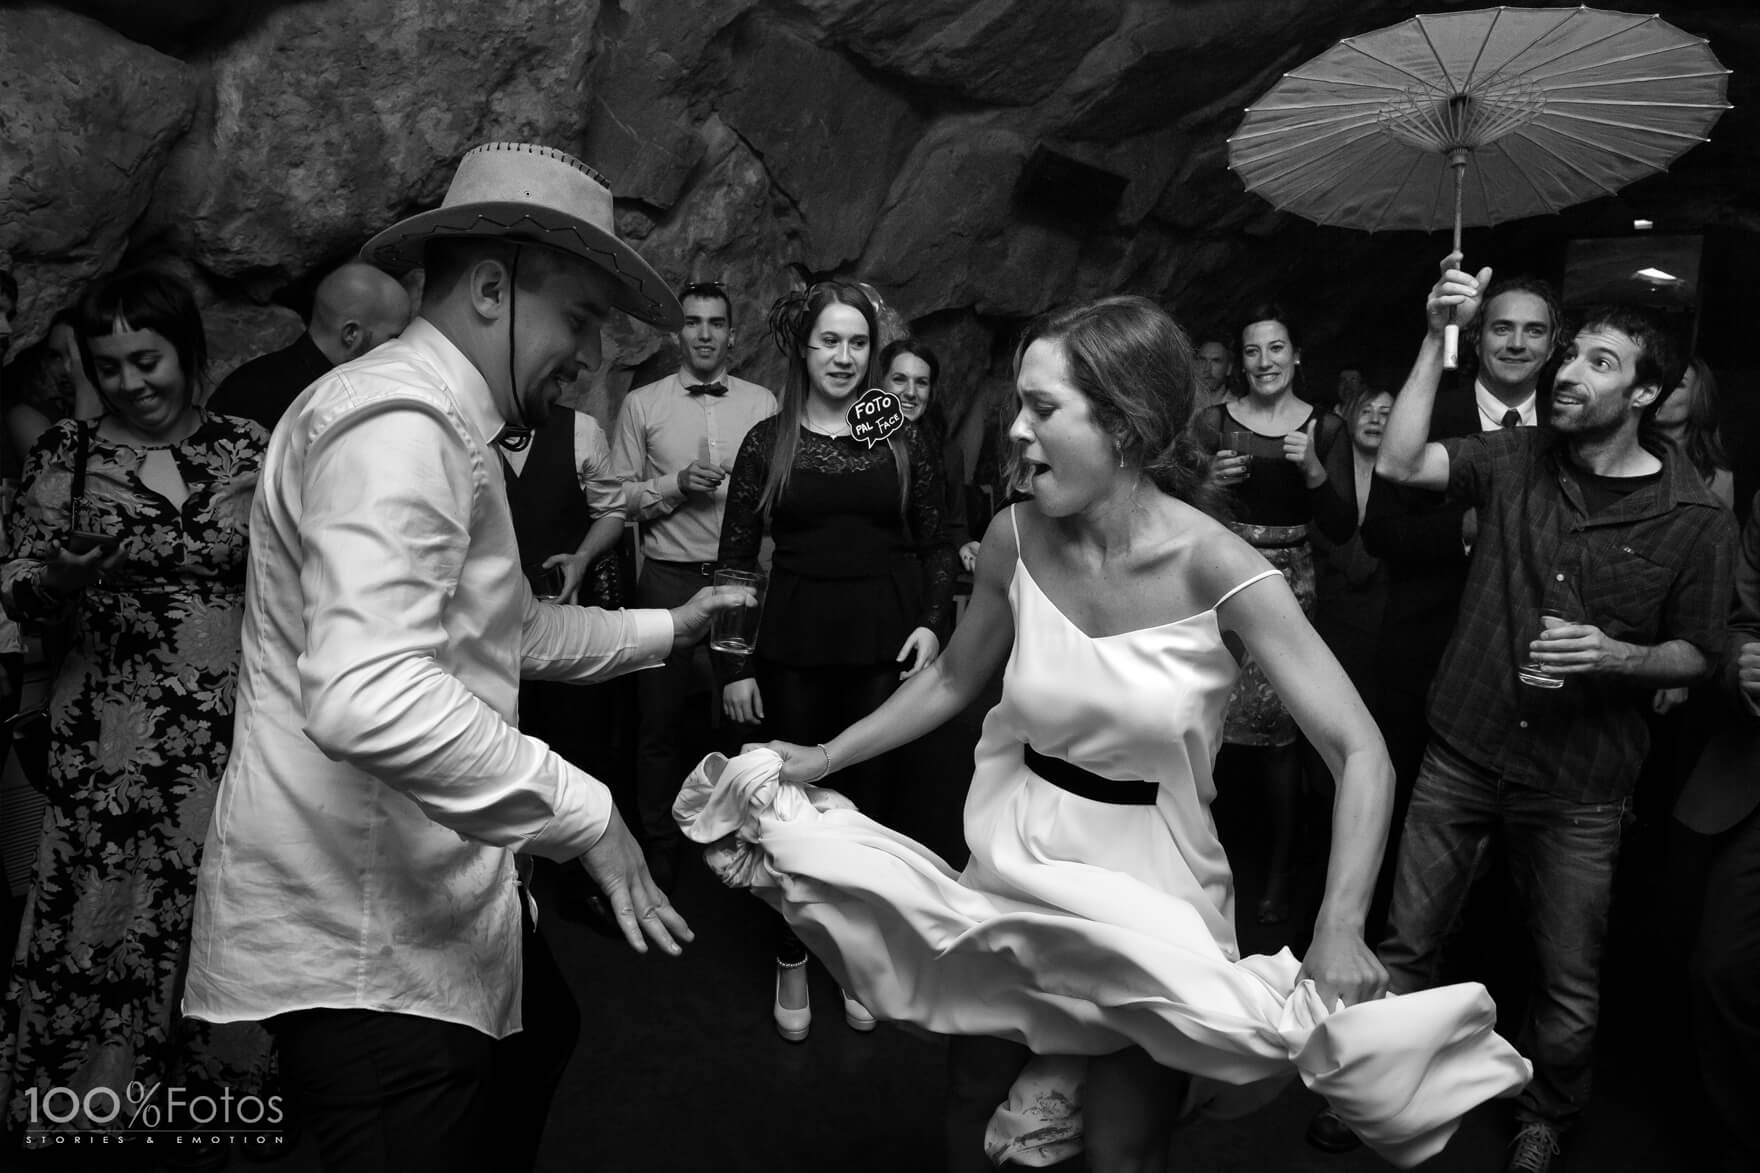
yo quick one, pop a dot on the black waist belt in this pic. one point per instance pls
(701, 569)
(1087, 784)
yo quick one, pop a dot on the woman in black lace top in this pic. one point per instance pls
(861, 580)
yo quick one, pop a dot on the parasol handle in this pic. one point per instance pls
(1451, 333)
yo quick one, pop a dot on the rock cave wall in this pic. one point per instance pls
(748, 141)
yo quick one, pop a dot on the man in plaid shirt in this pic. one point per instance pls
(1629, 555)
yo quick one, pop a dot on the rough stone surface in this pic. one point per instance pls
(641, 131)
(757, 142)
(86, 121)
(240, 331)
(731, 227)
(830, 138)
(1001, 52)
(329, 120)
(1185, 63)
(961, 180)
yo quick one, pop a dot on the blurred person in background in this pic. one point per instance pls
(355, 308)
(45, 383)
(1213, 374)
(1691, 418)
(1351, 583)
(910, 370)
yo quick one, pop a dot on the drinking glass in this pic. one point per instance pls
(735, 630)
(546, 581)
(1240, 443)
(1558, 608)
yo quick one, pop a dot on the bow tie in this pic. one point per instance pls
(715, 389)
(513, 439)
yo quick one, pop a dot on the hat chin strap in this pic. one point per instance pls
(519, 412)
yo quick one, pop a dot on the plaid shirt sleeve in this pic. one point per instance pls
(1473, 465)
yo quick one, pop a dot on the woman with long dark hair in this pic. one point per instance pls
(130, 530)
(861, 583)
(1691, 418)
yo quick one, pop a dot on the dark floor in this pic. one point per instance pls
(679, 1070)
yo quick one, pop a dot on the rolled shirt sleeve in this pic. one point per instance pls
(598, 479)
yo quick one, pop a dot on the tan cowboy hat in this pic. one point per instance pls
(534, 195)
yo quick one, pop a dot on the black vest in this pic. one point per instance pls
(550, 514)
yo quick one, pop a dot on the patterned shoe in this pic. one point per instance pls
(1533, 1149)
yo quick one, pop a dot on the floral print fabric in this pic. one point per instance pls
(1256, 714)
(140, 720)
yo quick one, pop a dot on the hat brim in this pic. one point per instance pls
(637, 289)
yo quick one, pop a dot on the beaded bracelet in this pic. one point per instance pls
(826, 772)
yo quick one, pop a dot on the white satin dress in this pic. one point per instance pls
(1080, 927)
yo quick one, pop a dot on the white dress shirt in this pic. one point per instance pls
(662, 428)
(1492, 409)
(592, 466)
(361, 853)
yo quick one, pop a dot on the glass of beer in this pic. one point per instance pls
(734, 632)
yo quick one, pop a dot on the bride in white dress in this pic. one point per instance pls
(1123, 611)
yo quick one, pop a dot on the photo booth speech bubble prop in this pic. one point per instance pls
(875, 416)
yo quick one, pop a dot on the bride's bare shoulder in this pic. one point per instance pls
(1216, 558)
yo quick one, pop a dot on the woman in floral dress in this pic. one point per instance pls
(1269, 449)
(146, 574)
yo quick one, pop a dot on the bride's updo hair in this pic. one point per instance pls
(1134, 364)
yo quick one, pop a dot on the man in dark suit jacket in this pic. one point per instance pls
(1721, 800)
(354, 309)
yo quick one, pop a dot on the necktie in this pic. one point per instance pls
(1512, 418)
(513, 439)
(715, 389)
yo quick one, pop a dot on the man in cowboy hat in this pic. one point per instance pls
(358, 890)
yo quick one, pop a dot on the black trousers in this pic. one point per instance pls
(383, 1092)
(676, 707)
(811, 705)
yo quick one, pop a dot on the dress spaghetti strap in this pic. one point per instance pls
(1272, 572)
(1014, 520)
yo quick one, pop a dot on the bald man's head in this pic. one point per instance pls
(356, 308)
